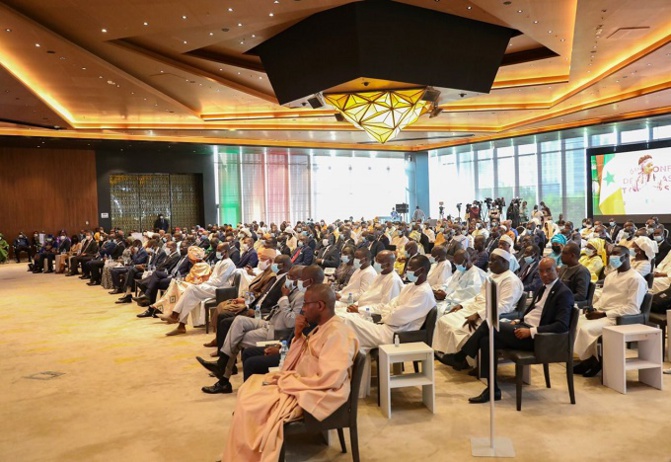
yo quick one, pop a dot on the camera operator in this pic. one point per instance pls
(474, 211)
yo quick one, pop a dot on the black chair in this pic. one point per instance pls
(344, 417)
(548, 348)
(649, 278)
(639, 318)
(424, 334)
(519, 309)
(590, 296)
(660, 321)
(221, 294)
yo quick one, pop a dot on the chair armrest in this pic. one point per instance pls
(628, 319)
(225, 293)
(515, 315)
(550, 347)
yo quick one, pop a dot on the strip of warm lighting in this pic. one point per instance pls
(15, 68)
(308, 113)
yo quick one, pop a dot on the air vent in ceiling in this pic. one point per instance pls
(628, 33)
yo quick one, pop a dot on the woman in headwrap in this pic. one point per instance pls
(558, 242)
(4, 249)
(594, 257)
(200, 272)
(642, 252)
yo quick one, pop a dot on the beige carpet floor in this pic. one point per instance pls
(128, 393)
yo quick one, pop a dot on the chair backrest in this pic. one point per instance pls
(646, 305)
(236, 280)
(573, 326)
(521, 304)
(345, 415)
(590, 293)
(649, 278)
(226, 293)
(430, 325)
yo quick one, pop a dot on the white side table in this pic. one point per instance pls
(616, 364)
(390, 354)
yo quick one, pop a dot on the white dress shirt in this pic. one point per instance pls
(385, 287)
(439, 273)
(358, 283)
(533, 317)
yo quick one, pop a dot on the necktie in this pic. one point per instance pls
(296, 254)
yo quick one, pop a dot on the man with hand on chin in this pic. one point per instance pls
(315, 377)
(549, 312)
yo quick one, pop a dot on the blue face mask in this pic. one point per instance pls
(615, 261)
(529, 260)
(612, 223)
(344, 259)
(288, 283)
(432, 260)
(275, 268)
(461, 268)
(377, 267)
(300, 287)
(411, 277)
(632, 252)
(357, 263)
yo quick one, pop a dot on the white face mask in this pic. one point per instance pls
(244, 247)
(325, 242)
(264, 265)
(288, 283)
(589, 252)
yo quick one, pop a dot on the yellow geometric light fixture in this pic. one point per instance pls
(382, 114)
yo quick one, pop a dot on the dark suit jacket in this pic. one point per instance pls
(577, 281)
(613, 231)
(376, 247)
(274, 294)
(249, 258)
(168, 264)
(234, 255)
(384, 240)
(158, 258)
(664, 248)
(532, 280)
(91, 248)
(330, 255)
(305, 256)
(557, 310)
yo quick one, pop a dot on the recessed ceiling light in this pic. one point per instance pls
(253, 35)
(230, 9)
(220, 69)
(145, 23)
(519, 11)
(260, 78)
(238, 73)
(37, 45)
(83, 68)
(271, 14)
(549, 32)
(239, 24)
(183, 16)
(276, 1)
(469, 7)
(211, 33)
(185, 42)
(562, 40)
(242, 42)
(8, 30)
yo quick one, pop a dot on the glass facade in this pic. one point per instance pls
(549, 167)
(273, 184)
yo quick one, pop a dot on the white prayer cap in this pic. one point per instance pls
(502, 253)
(504, 228)
(536, 220)
(506, 238)
(289, 230)
(647, 245)
(246, 232)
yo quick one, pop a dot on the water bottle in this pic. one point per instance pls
(397, 341)
(247, 298)
(350, 299)
(257, 312)
(284, 349)
(366, 314)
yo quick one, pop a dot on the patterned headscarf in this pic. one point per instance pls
(559, 238)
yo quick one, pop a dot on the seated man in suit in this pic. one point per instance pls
(455, 327)
(575, 276)
(622, 294)
(160, 280)
(663, 245)
(406, 312)
(248, 257)
(303, 254)
(328, 256)
(88, 249)
(112, 252)
(549, 312)
(528, 272)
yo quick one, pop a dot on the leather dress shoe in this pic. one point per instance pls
(149, 313)
(84, 277)
(593, 371)
(116, 291)
(93, 283)
(124, 299)
(222, 386)
(456, 363)
(583, 366)
(141, 298)
(211, 344)
(484, 397)
(211, 366)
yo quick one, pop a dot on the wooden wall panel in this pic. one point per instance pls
(47, 190)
